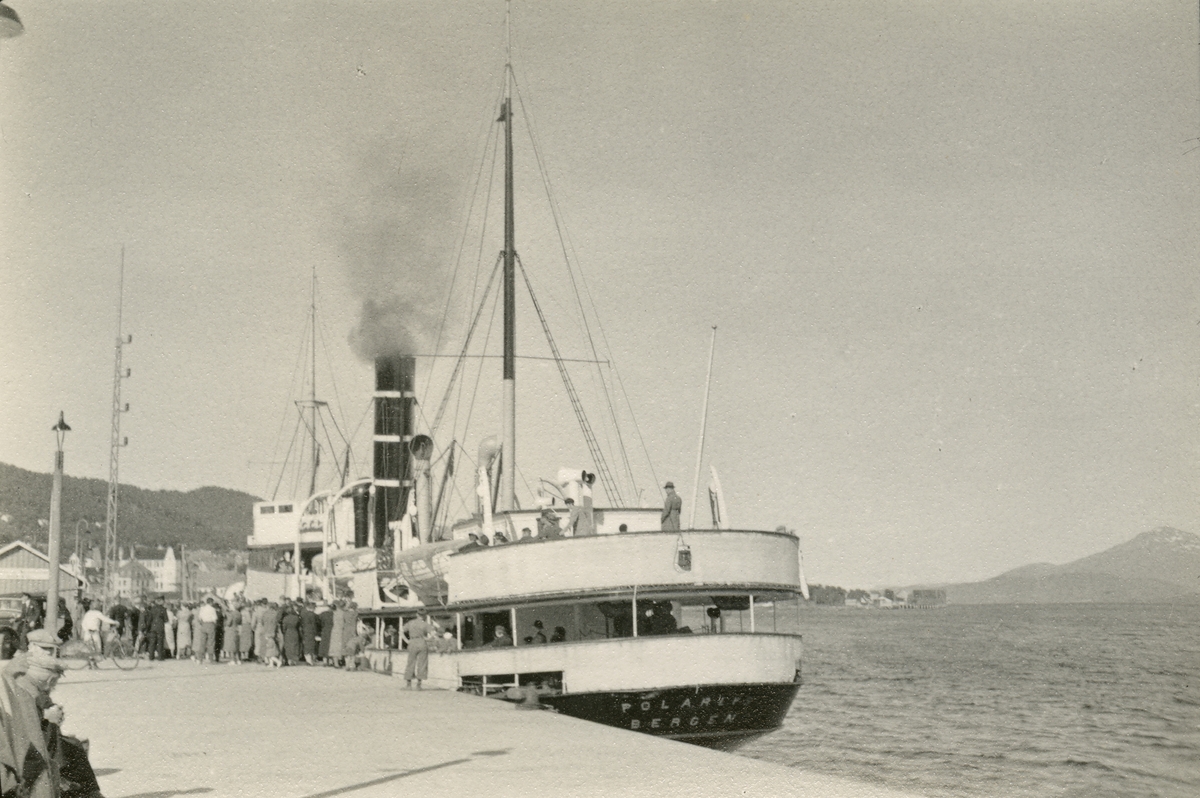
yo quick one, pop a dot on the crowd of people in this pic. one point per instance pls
(273, 633)
(38, 761)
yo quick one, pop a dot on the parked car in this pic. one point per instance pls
(21, 613)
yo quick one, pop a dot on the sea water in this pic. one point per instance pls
(1000, 700)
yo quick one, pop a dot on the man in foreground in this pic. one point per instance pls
(36, 759)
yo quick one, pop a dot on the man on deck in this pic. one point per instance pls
(671, 509)
(587, 521)
(547, 525)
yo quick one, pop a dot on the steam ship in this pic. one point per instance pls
(590, 610)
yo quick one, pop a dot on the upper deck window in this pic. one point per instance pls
(285, 508)
(266, 509)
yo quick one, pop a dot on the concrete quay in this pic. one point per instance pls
(179, 728)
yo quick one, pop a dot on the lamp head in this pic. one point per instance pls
(60, 429)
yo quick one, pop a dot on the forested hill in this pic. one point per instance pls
(206, 518)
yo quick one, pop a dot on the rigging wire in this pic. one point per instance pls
(583, 300)
(496, 305)
(495, 140)
(601, 464)
(437, 419)
(486, 135)
(292, 391)
(573, 264)
(363, 420)
(287, 457)
(322, 332)
(455, 489)
(637, 427)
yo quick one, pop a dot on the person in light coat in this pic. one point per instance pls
(183, 632)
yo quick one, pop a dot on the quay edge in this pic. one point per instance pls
(175, 728)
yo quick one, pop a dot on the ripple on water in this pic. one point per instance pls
(1072, 700)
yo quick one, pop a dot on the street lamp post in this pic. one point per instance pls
(54, 544)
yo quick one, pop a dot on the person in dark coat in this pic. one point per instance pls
(120, 614)
(325, 624)
(308, 632)
(156, 629)
(29, 620)
(135, 621)
(65, 622)
(219, 632)
(672, 507)
(289, 625)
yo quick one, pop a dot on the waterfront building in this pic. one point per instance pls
(132, 580)
(24, 569)
(167, 571)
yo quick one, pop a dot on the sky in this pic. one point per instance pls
(948, 248)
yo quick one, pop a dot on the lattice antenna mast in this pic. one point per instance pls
(114, 450)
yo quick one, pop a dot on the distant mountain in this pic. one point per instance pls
(1160, 565)
(205, 518)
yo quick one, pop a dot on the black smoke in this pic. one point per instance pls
(400, 239)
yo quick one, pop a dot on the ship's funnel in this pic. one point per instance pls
(394, 403)
(422, 450)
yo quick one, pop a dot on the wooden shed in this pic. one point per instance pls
(24, 569)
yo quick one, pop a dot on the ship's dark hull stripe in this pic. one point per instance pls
(717, 716)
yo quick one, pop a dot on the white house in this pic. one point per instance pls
(167, 571)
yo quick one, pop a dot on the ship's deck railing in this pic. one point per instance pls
(705, 559)
(642, 663)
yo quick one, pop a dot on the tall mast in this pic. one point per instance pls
(114, 450)
(508, 471)
(312, 485)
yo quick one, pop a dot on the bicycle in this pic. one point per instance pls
(125, 654)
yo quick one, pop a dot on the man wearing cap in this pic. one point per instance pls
(671, 509)
(54, 763)
(29, 754)
(547, 525)
(37, 760)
